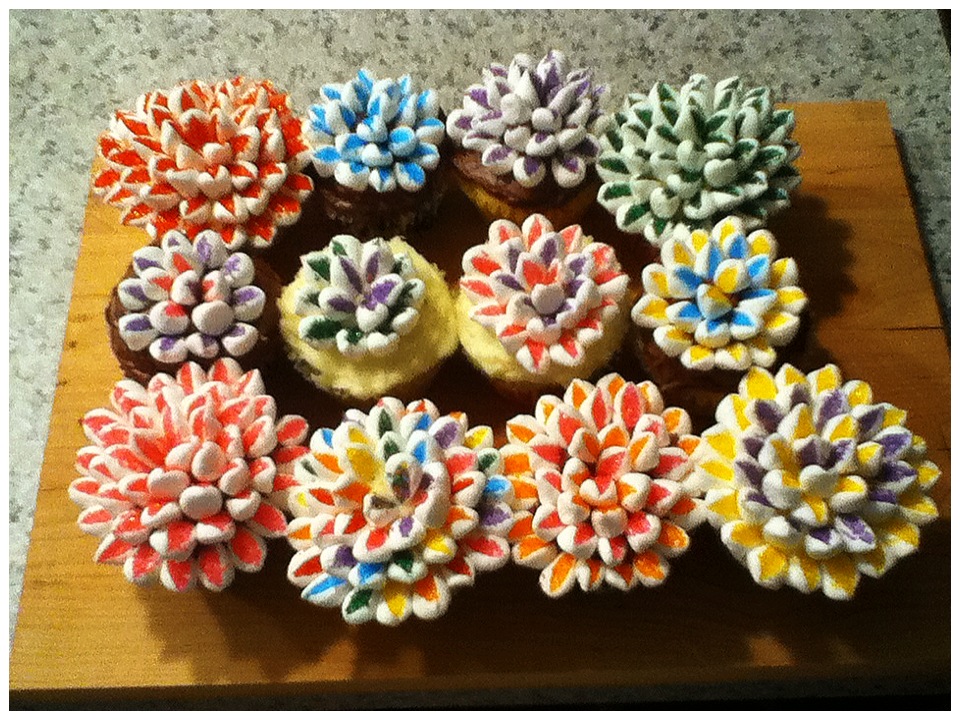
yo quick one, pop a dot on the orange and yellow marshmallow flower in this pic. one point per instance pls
(600, 483)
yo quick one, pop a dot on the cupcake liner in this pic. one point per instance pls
(565, 209)
(369, 213)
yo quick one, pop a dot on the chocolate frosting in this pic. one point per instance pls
(141, 366)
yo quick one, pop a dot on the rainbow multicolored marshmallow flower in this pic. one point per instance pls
(546, 294)
(812, 483)
(721, 300)
(185, 479)
(397, 508)
(601, 486)
(225, 157)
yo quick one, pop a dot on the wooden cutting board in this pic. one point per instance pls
(85, 633)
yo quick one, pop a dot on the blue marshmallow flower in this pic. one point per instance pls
(377, 133)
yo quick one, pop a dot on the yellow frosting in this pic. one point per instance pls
(485, 350)
(419, 352)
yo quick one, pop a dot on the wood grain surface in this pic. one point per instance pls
(85, 632)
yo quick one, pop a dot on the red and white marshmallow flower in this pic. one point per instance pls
(184, 479)
(225, 157)
(546, 294)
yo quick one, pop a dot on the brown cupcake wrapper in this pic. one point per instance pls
(371, 214)
(368, 213)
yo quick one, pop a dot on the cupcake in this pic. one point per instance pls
(185, 479)
(695, 156)
(364, 319)
(539, 307)
(602, 486)
(526, 140)
(717, 304)
(225, 157)
(812, 483)
(396, 509)
(195, 301)
(376, 147)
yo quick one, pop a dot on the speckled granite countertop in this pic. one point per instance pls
(70, 70)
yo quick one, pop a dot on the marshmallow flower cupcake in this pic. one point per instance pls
(527, 139)
(601, 483)
(718, 303)
(376, 147)
(225, 156)
(186, 478)
(538, 307)
(812, 483)
(396, 509)
(721, 300)
(364, 319)
(192, 301)
(695, 155)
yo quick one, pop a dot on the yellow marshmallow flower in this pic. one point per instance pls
(813, 484)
